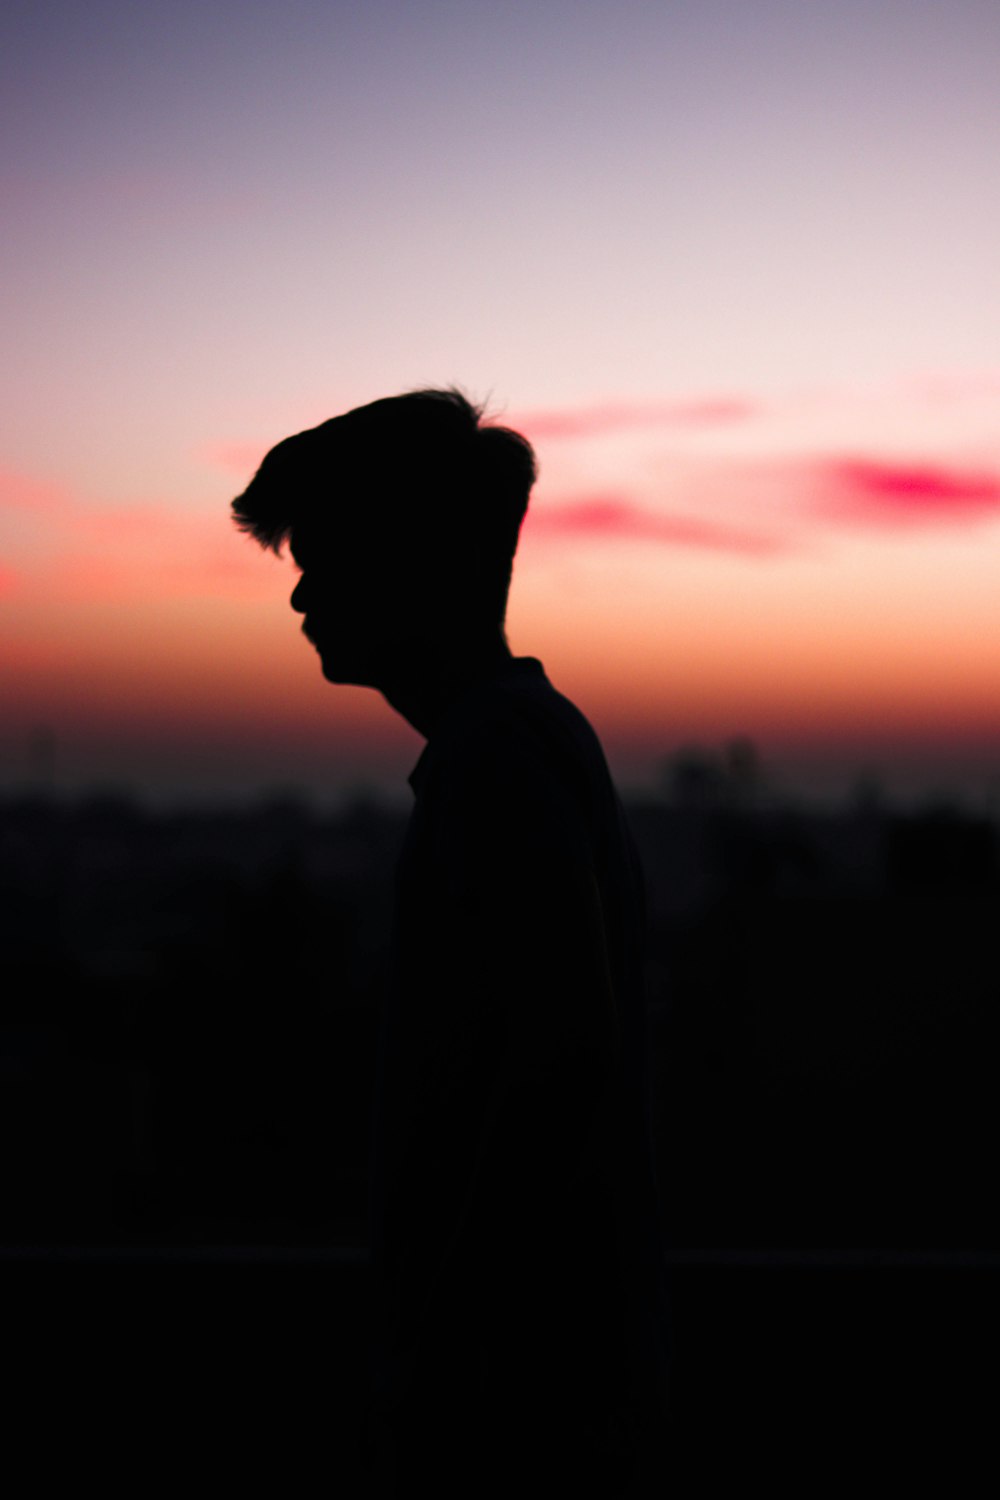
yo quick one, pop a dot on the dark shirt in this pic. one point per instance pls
(515, 1235)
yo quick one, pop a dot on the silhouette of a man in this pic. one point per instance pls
(519, 1314)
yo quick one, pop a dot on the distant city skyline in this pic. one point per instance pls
(225, 776)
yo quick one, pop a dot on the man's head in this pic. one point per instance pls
(404, 517)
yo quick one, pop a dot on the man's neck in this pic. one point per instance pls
(424, 689)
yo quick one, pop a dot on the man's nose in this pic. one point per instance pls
(298, 599)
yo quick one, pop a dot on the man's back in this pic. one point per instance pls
(515, 1236)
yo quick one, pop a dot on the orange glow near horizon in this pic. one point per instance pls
(835, 646)
(689, 570)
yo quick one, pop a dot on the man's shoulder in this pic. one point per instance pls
(522, 746)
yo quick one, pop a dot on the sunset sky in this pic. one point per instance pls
(733, 266)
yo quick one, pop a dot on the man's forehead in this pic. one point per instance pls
(310, 544)
(315, 541)
(298, 544)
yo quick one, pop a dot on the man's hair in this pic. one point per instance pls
(422, 471)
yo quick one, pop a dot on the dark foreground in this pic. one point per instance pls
(188, 1015)
(222, 1377)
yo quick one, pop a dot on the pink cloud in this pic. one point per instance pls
(156, 553)
(769, 509)
(144, 551)
(243, 458)
(210, 575)
(619, 416)
(970, 386)
(722, 409)
(23, 492)
(870, 492)
(105, 523)
(235, 457)
(615, 518)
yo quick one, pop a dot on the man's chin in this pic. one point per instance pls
(343, 673)
(332, 671)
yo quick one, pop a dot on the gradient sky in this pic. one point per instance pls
(732, 266)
